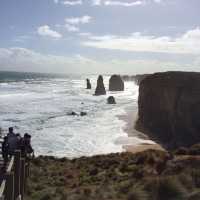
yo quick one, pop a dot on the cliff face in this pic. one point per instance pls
(169, 108)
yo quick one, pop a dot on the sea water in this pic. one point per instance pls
(39, 104)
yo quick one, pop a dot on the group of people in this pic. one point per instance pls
(14, 142)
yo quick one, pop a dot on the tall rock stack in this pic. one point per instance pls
(89, 86)
(169, 108)
(100, 89)
(116, 83)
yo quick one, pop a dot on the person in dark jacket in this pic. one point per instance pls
(5, 149)
(26, 148)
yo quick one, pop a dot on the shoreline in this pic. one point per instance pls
(136, 141)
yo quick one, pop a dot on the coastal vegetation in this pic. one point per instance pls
(148, 175)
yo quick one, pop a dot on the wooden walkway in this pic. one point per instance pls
(13, 177)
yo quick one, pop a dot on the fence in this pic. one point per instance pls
(13, 185)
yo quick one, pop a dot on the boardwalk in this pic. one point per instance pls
(13, 177)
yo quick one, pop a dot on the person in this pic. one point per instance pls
(10, 132)
(5, 149)
(26, 148)
(12, 141)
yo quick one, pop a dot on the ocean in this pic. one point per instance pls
(40, 105)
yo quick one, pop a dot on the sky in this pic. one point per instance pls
(99, 36)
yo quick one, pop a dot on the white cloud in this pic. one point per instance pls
(46, 31)
(56, 1)
(72, 23)
(79, 20)
(96, 2)
(126, 4)
(22, 59)
(71, 28)
(72, 2)
(187, 43)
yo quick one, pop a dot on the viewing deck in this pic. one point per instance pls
(13, 176)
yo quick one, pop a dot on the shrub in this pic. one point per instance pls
(195, 149)
(181, 151)
(194, 196)
(196, 177)
(186, 180)
(137, 193)
(170, 189)
(165, 188)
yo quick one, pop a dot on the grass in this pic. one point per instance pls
(149, 175)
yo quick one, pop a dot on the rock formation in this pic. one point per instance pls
(169, 108)
(116, 83)
(83, 114)
(88, 84)
(100, 89)
(111, 100)
(72, 113)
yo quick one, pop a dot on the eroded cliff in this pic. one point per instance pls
(169, 108)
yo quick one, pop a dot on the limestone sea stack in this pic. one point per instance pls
(169, 108)
(89, 86)
(100, 89)
(116, 83)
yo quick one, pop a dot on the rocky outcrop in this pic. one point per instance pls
(83, 114)
(111, 100)
(89, 86)
(169, 108)
(100, 89)
(116, 83)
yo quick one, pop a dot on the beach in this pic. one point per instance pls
(136, 141)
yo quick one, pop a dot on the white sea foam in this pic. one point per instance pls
(41, 108)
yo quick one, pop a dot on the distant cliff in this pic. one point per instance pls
(169, 108)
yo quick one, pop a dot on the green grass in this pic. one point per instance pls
(149, 175)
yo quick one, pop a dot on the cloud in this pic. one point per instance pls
(126, 4)
(187, 43)
(56, 1)
(72, 23)
(72, 3)
(79, 20)
(96, 2)
(157, 1)
(46, 31)
(71, 28)
(22, 59)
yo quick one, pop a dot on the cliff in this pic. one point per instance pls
(169, 108)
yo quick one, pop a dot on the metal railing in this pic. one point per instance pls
(13, 185)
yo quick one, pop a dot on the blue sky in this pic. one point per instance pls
(99, 36)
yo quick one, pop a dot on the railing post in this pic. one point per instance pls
(9, 191)
(17, 170)
(22, 178)
(26, 176)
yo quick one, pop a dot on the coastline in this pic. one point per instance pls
(136, 141)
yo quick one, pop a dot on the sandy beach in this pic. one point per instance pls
(130, 118)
